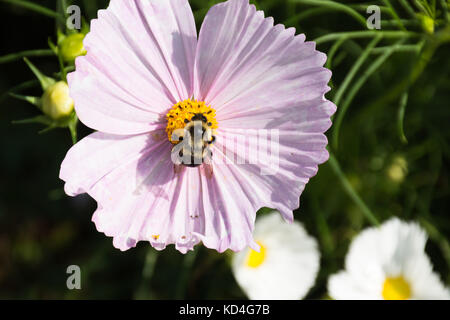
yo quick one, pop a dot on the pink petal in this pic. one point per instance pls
(228, 214)
(252, 72)
(132, 179)
(139, 63)
(141, 198)
(272, 168)
(99, 154)
(263, 77)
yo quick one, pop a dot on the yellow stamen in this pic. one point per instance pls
(183, 111)
(396, 289)
(255, 259)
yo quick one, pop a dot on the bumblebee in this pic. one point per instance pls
(194, 144)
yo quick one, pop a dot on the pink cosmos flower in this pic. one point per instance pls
(146, 75)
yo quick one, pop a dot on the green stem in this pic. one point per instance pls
(336, 6)
(363, 7)
(401, 117)
(333, 51)
(26, 85)
(352, 192)
(394, 14)
(357, 65)
(28, 53)
(355, 89)
(396, 23)
(421, 7)
(36, 8)
(429, 48)
(404, 48)
(405, 4)
(43, 79)
(306, 14)
(63, 71)
(365, 34)
(36, 101)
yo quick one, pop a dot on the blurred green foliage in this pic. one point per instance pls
(389, 144)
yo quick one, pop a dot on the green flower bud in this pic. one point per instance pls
(72, 47)
(56, 102)
(427, 24)
(398, 169)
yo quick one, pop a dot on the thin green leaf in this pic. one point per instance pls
(52, 46)
(64, 6)
(61, 9)
(60, 36)
(405, 4)
(28, 53)
(336, 6)
(43, 79)
(355, 68)
(429, 47)
(355, 89)
(333, 51)
(395, 23)
(351, 191)
(36, 8)
(363, 7)
(48, 129)
(41, 119)
(306, 14)
(414, 48)
(401, 117)
(365, 34)
(36, 101)
(394, 14)
(421, 7)
(429, 9)
(19, 88)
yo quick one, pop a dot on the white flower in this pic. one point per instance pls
(286, 266)
(388, 263)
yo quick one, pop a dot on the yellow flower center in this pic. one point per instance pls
(255, 259)
(182, 113)
(396, 289)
